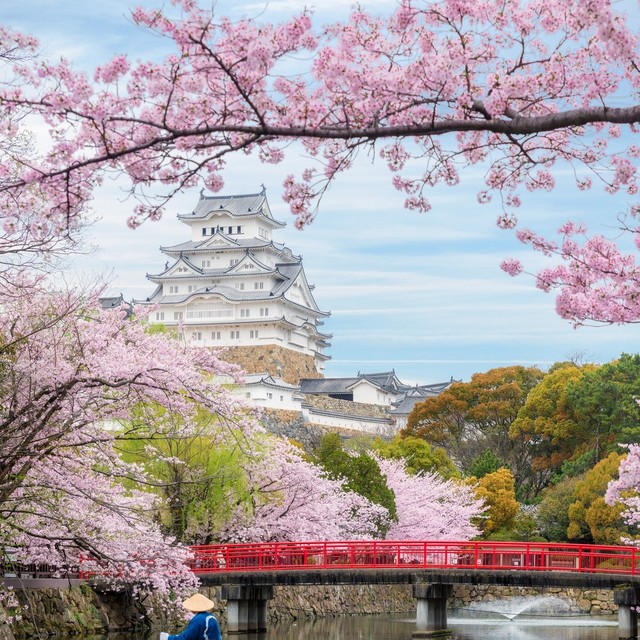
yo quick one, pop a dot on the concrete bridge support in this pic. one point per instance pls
(628, 600)
(431, 610)
(246, 607)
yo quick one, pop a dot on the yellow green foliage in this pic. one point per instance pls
(418, 455)
(590, 518)
(548, 418)
(497, 489)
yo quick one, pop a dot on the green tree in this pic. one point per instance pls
(606, 400)
(469, 418)
(549, 423)
(418, 455)
(487, 462)
(553, 509)
(360, 472)
(497, 489)
(591, 520)
(194, 477)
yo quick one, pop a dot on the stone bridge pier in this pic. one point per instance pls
(628, 600)
(246, 607)
(431, 609)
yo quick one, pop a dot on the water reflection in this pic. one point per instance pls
(385, 627)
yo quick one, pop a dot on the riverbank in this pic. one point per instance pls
(82, 610)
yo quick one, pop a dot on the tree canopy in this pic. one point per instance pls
(470, 417)
(71, 374)
(551, 423)
(522, 90)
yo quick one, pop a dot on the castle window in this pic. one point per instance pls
(160, 315)
(234, 261)
(174, 289)
(235, 335)
(253, 333)
(197, 335)
(204, 231)
(215, 335)
(238, 229)
(245, 313)
(258, 285)
(264, 311)
(177, 315)
(270, 396)
(230, 230)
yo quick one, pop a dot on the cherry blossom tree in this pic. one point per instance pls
(29, 237)
(518, 88)
(293, 499)
(72, 375)
(429, 507)
(625, 490)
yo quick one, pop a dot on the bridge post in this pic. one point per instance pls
(246, 607)
(627, 600)
(431, 609)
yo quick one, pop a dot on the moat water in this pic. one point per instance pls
(465, 625)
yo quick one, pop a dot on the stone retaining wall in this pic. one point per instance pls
(274, 360)
(293, 428)
(581, 601)
(317, 601)
(71, 611)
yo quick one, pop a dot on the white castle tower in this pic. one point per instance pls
(232, 286)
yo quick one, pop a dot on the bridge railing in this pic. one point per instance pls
(281, 556)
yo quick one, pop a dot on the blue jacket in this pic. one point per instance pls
(203, 626)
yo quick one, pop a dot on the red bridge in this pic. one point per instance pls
(485, 556)
(247, 573)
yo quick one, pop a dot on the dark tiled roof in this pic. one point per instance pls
(326, 385)
(267, 380)
(243, 205)
(238, 243)
(114, 302)
(407, 395)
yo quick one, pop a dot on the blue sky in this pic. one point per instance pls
(420, 293)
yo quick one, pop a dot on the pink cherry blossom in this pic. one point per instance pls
(429, 507)
(75, 380)
(521, 89)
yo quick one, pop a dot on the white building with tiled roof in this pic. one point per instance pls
(230, 285)
(346, 400)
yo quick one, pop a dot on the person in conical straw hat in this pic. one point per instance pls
(203, 625)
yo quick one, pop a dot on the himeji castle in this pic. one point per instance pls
(230, 285)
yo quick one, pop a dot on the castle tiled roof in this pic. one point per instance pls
(242, 205)
(404, 405)
(236, 243)
(407, 395)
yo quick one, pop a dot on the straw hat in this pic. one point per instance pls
(198, 603)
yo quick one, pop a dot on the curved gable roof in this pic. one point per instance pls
(238, 206)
